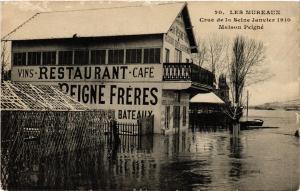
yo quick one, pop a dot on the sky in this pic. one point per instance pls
(282, 40)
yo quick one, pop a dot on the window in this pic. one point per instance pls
(184, 116)
(116, 56)
(34, 58)
(176, 117)
(167, 58)
(98, 57)
(65, 57)
(178, 55)
(152, 55)
(134, 56)
(187, 60)
(177, 97)
(49, 58)
(81, 57)
(19, 59)
(167, 117)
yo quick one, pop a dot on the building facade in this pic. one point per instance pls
(134, 60)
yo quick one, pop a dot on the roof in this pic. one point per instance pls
(23, 96)
(206, 98)
(102, 22)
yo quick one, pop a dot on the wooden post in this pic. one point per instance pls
(115, 131)
(298, 125)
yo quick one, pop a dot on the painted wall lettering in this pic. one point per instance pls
(92, 94)
(121, 88)
(137, 72)
(133, 114)
(25, 73)
(130, 101)
(82, 73)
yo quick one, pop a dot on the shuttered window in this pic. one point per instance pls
(116, 56)
(167, 117)
(98, 57)
(34, 58)
(49, 58)
(184, 113)
(133, 56)
(167, 58)
(65, 57)
(152, 55)
(178, 56)
(81, 57)
(19, 59)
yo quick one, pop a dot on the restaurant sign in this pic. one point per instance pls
(137, 72)
(103, 87)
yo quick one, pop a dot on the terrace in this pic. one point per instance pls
(199, 77)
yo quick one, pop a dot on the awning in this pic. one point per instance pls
(206, 98)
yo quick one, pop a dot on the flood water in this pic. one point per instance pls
(262, 159)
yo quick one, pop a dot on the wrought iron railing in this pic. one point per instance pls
(187, 72)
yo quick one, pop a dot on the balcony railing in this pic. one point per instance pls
(187, 72)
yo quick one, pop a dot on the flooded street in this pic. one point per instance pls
(263, 159)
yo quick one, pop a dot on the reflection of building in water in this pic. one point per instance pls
(134, 60)
(177, 161)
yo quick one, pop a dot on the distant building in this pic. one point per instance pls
(223, 89)
(134, 60)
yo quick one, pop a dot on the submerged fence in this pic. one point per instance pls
(34, 136)
(56, 131)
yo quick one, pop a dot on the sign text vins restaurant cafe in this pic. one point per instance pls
(136, 61)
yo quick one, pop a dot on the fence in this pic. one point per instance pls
(129, 129)
(57, 130)
(38, 135)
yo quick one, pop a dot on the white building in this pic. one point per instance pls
(134, 60)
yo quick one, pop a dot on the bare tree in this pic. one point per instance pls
(217, 53)
(245, 68)
(213, 53)
(201, 56)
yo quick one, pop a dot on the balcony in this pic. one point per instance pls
(188, 72)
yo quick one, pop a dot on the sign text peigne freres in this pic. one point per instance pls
(118, 87)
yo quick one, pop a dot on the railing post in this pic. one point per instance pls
(164, 73)
(168, 71)
(188, 72)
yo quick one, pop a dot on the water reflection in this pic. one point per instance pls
(186, 161)
(236, 158)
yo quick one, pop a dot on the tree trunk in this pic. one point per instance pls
(236, 129)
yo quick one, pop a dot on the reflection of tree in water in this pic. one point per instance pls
(182, 171)
(236, 165)
(182, 175)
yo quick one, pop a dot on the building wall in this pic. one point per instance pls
(170, 100)
(132, 90)
(176, 38)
